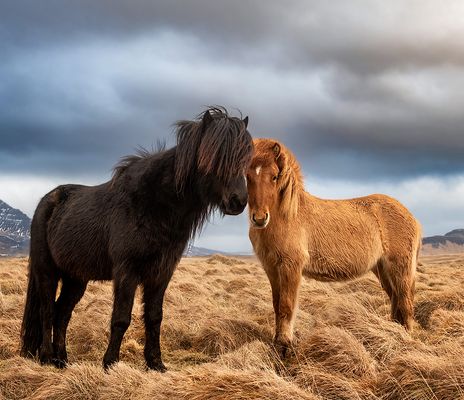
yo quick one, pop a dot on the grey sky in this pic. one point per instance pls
(368, 94)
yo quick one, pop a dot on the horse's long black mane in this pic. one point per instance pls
(222, 146)
(140, 154)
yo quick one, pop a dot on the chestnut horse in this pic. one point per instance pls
(295, 233)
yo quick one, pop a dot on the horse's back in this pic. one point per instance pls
(347, 238)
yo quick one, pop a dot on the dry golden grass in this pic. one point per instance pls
(217, 340)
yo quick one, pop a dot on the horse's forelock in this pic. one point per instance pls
(223, 148)
(226, 148)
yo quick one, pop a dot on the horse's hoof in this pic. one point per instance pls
(60, 358)
(107, 366)
(282, 347)
(108, 363)
(156, 366)
(46, 358)
(282, 350)
(60, 363)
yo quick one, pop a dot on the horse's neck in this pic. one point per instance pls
(156, 184)
(289, 205)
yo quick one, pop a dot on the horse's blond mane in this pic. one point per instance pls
(290, 183)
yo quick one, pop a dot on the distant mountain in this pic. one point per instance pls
(15, 233)
(193, 251)
(451, 242)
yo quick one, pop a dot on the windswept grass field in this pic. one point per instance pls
(217, 339)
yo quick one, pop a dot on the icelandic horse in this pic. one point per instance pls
(132, 230)
(294, 233)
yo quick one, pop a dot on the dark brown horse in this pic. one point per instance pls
(132, 230)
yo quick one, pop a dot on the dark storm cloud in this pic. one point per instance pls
(56, 21)
(380, 147)
(359, 89)
(362, 35)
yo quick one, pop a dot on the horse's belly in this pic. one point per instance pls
(331, 272)
(92, 267)
(81, 256)
(336, 256)
(344, 264)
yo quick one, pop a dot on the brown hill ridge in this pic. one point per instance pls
(449, 243)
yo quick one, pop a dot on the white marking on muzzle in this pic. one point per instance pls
(258, 169)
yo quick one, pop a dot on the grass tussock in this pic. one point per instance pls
(217, 340)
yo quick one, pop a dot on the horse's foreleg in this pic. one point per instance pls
(153, 294)
(72, 291)
(290, 279)
(274, 279)
(124, 292)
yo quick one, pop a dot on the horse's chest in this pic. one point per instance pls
(272, 248)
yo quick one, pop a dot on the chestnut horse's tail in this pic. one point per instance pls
(41, 288)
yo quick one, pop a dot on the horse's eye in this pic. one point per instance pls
(274, 178)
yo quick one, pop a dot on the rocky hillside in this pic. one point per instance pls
(451, 242)
(14, 231)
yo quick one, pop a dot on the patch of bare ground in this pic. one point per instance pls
(217, 339)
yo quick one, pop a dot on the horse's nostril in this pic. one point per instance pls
(261, 221)
(235, 202)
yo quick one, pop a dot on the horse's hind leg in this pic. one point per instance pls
(47, 284)
(72, 291)
(401, 271)
(382, 276)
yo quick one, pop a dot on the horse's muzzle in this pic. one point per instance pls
(234, 206)
(260, 223)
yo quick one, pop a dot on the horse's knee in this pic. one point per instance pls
(120, 325)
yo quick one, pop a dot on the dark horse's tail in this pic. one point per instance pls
(42, 277)
(31, 328)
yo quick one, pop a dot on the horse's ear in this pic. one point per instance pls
(245, 121)
(276, 150)
(206, 121)
(280, 157)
